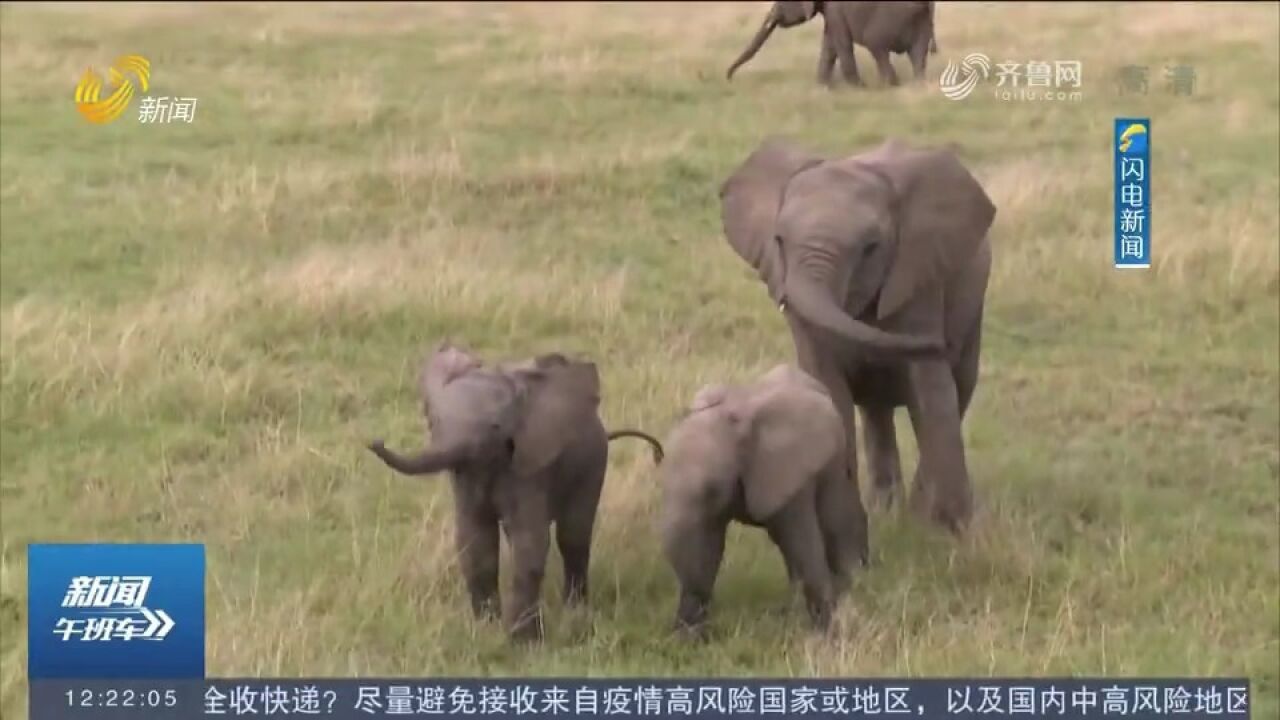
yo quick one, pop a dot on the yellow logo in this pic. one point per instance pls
(1129, 137)
(90, 86)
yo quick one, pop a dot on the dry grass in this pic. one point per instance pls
(200, 325)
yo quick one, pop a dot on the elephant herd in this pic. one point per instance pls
(878, 260)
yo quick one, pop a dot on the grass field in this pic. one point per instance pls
(202, 324)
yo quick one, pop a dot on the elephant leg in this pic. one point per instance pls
(883, 64)
(793, 576)
(826, 60)
(838, 388)
(880, 440)
(941, 490)
(843, 522)
(574, 529)
(966, 370)
(799, 537)
(848, 61)
(919, 54)
(530, 538)
(694, 547)
(476, 537)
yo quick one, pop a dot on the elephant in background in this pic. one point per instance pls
(880, 261)
(768, 454)
(525, 448)
(880, 27)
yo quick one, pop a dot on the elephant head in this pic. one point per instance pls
(493, 419)
(785, 14)
(842, 241)
(771, 436)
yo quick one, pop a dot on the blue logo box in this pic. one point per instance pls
(1132, 173)
(108, 611)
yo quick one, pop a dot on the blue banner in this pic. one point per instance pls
(719, 699)
(115, 611)
(1132, 172)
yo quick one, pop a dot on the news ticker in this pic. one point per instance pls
(725, 699)
(117, 631)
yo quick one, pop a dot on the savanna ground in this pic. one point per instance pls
(203, 323)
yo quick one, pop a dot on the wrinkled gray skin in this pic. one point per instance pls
(880, 262)
(880, 27)
(525, 447)
(769, 454)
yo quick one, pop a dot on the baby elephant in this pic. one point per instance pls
(526, 448)
(772, 455)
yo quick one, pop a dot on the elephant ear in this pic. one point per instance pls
(794, 12)
(534, 363)
(784, 373)
(749, 202)
(558, 398)
(708, 397)
(792, 433)
(941, 212)
(447, 363)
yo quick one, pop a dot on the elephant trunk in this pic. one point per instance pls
(813, 304)
(429, 461)
(766, 28)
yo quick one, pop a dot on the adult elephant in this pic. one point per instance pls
(880, 261)
(881, 27)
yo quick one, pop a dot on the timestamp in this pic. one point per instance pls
(121, 698)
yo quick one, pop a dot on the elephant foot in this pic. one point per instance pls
(820, 617)
(575, 594)
(841, 584)
(485, 610)
(690, 632)
(885, 495)
(950, 510)
(691, 616)
(886, 483)
(527, 628)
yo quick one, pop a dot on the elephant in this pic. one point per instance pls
(768, 454)
(880, 27)
(526, 449)
(880, 262)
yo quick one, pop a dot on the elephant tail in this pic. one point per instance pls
(658, 453)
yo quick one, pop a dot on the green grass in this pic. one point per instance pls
(201, 325)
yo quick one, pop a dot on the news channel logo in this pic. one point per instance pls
(1132, 150)
(129, 75)
(106, 611)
